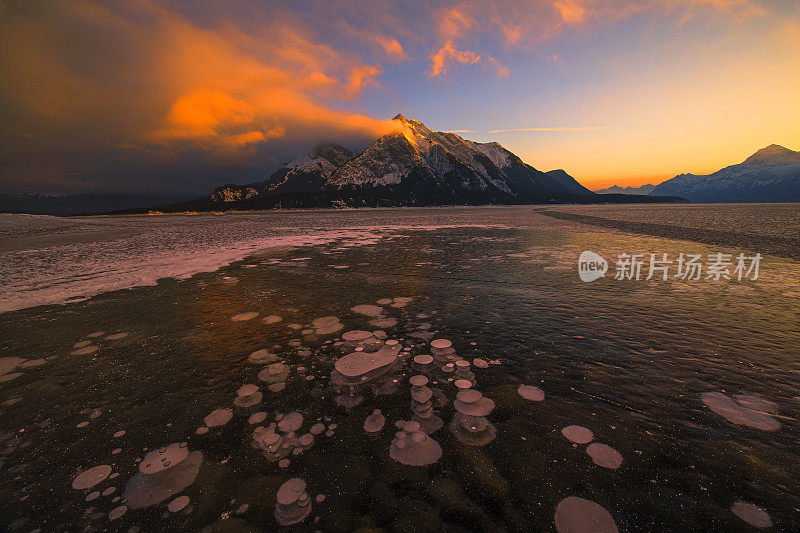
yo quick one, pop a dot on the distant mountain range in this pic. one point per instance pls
(71, 204)
(412, 166)
(616, 189)
(772, 174)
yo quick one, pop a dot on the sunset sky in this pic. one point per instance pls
(184, 96)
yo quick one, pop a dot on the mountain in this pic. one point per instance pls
(72, 204)
(411, 166)
(568, 182)
(772, 174)
(616, 189)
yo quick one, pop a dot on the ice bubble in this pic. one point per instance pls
(374, 422)
(92, 496)
(277, 387)
(242, 317)
(750, 401)
(33, 362)
(577, 515)
(163, 458)
(245, 402)
(117, 336)
(472, 430)
(480, 363)
(143, 489)
(82, 344)
(293, 504)
(359, 363)
(291, 422)
(604, 455)
(415, 448)
(469, 396)
(91, 477)
(306, 439)
(274, 373)
(257, 418)
(95, 334)
(82, 424)
(202, 430)
(441, 344)
(356, 335)
(109, 491)
(115, 451)
(463, 384)
(271, 319)
(421, 394)
(316, 429)
(384, 301)
(529, 392)
(85, 351)
(219, 417)
(739, 414)
(418, 381)
(117, 512)
(401, 301)
(320, 498)
(178, 504)
(284, 463)
(578, 434)
(423, 361)
(367, 310)
(119, 433)
(383, 322)
(755, 516)
(263, 357)
(247, 390)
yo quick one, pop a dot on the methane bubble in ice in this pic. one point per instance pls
(219, 417)
(291, 422)
(739, 413)
(85, 351)
(604, 455)
(117, 336)
(178, 504)
(413, 447)
(367, 310)
(374, 423)
(576, 515)
(92, 496)
(263, 357)
(384, 301)
(383, 322)
(441, 344)
(271, 319)
(117, 512)
(119, 433)
(755, 516)
(529, 392)
(257, 418)
(163, 473)
(241, 317)
(401, 301)
(463, 384)
(578, 434)
(293, 504)
(91, 477)
(316, 429)
(359, 363)
(356, 335)
(247, 390)
(480, 363)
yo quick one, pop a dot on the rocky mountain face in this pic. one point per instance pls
(568, 182)
(616, 189)
(772, 174)
(410, 166)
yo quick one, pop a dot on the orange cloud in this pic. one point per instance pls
(392, 47)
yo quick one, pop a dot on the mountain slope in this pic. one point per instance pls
(410, 166)
(772, 174)
(568, 182)
(616, 189)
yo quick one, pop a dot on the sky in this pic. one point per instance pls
(137, 95)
